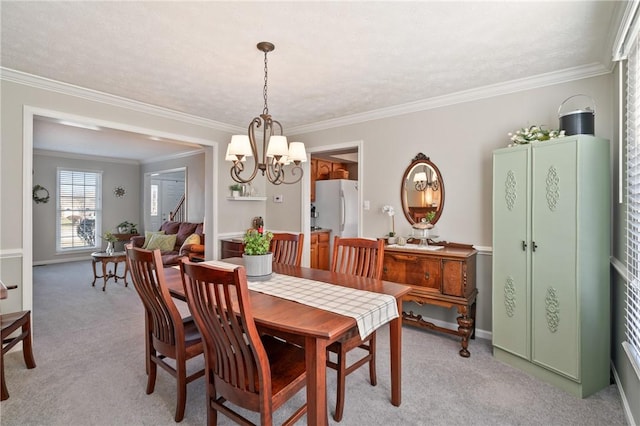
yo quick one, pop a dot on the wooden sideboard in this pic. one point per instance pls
(231, 247)
(444, 277)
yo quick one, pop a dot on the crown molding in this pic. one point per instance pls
(172, 156)
(38, 82)
(151, 160)
(76, 156)
(513, 86)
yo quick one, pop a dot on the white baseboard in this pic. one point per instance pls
(65, 260)
(625, 403)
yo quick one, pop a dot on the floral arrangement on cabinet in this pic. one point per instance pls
(534, 133)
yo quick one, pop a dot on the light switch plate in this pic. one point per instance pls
(278, 198)
(367, 205)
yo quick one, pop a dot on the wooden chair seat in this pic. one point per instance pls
(11, 323)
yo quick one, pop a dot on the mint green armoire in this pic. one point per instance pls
(551, 246)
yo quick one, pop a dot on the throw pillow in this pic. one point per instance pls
(147, 237)
(191, 239)
(162, 242)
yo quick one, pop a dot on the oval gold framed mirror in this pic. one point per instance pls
(422, 191)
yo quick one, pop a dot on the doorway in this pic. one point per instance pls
(165, 193)
(346, 153)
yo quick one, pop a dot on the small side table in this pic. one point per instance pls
(115, 258)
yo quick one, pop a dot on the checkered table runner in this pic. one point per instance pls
(369, 309)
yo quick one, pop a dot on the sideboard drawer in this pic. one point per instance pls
(415, 270)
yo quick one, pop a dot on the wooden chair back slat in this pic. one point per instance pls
(358, 256)
(287, 248)
(147, 273)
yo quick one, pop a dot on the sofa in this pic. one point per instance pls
(182, 231)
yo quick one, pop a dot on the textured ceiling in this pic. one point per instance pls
(332, 59)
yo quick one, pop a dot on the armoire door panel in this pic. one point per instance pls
(511, 251)
(554, 287)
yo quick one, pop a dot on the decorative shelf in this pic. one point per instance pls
(246, 198)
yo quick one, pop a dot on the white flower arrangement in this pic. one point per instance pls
(534, 134)
(391, 212)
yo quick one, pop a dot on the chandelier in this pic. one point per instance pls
(425, 179)
(276, 153)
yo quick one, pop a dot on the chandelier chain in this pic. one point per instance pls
(264, 90)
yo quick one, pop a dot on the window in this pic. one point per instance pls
(79, 209)
(154, 200)
(632, 314)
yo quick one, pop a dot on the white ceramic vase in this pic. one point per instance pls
(259, 265)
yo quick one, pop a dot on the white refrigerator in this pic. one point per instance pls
(337, 207)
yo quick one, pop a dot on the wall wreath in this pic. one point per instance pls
(40, 194)
(119, 191)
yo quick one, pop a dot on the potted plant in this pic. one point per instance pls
(127, 227)
(257, 257)
(429, 216)
(392, 234)
(235, 189)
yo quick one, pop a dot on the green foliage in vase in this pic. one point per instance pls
(257, 243)
(109, 237)
(429, 216)
(534, 134)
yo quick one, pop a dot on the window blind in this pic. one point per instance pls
(632, 313)
(78, 209)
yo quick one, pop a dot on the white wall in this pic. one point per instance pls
(460, 140)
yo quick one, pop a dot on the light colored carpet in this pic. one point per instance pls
(89, 351)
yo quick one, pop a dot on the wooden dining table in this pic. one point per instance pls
(318, 328)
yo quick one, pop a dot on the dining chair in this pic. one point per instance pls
(10, 323)
(287, 248)
(362, 257)
(167, 334)
(252, 371)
